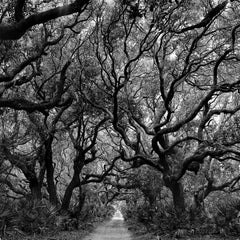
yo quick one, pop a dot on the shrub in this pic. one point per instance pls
(28, 216)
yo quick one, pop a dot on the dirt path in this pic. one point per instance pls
(115, 229)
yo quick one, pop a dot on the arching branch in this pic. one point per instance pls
(207, 19)
(17, 30)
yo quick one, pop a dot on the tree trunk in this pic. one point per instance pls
(178, 197)
(78, 209)
(50, 172)
(35, 188)
(82, 197)
(75, 182)
(68, 193)
(176, 189)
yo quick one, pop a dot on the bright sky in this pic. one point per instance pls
(110, 2)
(118, 215)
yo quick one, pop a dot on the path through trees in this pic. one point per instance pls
(114, 229)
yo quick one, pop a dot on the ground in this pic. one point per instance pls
(114, 229)
(102, 230)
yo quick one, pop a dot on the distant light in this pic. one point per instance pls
(118, 215)
(110, 2)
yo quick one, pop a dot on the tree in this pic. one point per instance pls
(84, 142)
(117, 86)
(44, 74)
(165, 89)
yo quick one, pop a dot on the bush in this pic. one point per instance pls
(28, 216)
(226, 215)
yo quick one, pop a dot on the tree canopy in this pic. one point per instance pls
(96, 96)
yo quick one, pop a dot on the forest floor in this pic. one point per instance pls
(84, 230)
(114, 229)
(139, 232)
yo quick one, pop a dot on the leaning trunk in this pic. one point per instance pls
(50, 172)
(75, 182)
(69, 190)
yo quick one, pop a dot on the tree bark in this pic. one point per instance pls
(176, 189)
(178, 198)
(17, 30)
(50, 171)
(75, 182)
(82, 196)
(69, 190)
(35, 188)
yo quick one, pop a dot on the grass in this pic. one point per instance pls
(141, 233)
(63, 235)
(51, 235)
(149, 236)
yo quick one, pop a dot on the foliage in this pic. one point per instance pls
(225, 212)
(133, 101)
(28, 216)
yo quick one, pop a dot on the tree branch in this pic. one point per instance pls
(16, 31)
(207, 19)
(23, 104)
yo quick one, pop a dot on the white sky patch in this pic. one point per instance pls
(118, 215)
(110, 2)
